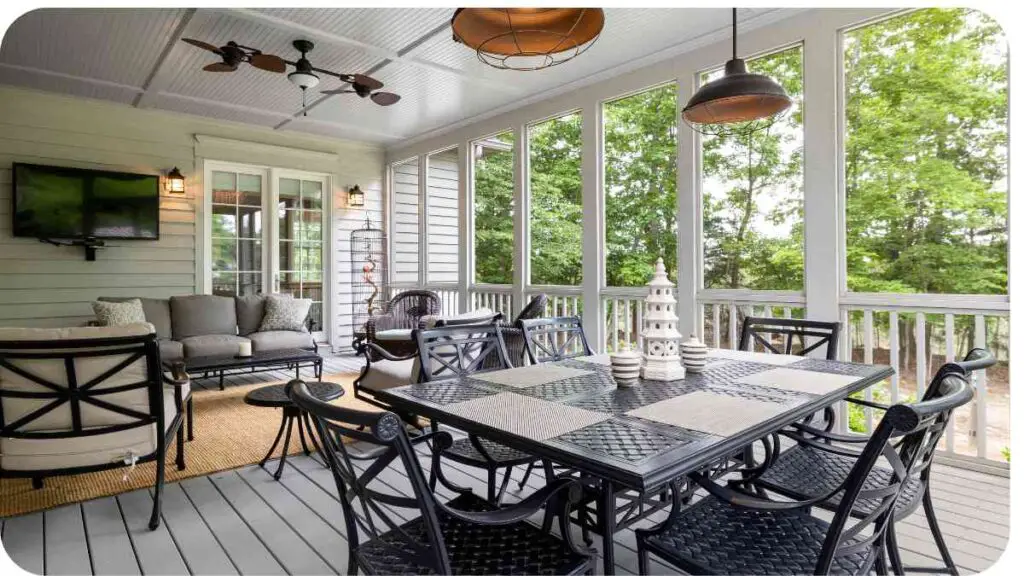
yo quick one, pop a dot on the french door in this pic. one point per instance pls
(267, 231)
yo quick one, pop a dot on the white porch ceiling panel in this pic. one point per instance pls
(136, 57)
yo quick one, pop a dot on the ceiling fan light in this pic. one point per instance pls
(304, 80)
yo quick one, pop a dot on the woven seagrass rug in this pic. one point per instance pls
(228, 434)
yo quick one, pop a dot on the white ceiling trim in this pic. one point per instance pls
(205, 140)
(620, 70)
(383, 53)
(95, 81)
(156, 81)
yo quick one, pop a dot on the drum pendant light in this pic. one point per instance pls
(527, 38)
(738, 102)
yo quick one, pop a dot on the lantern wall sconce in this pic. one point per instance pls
(356, 197)
(174, 182)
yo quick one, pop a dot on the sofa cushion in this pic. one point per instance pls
(59, 453)
(284, 313)
(202, 315)
(119, 313)
(249, 310)
(171, 350)
(386, 374)
(212, 345)
(279, 339)
(157, 311)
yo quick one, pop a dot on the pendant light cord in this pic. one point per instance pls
(733, 33)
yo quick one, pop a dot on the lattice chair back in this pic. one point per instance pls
(79, 399)
(411, 305)
(899, 443)
(364, 497)
(778, 336)
(551, 339)
(460, 350)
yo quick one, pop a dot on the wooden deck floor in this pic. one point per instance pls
(243, 522)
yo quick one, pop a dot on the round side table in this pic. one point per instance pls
(274, 396)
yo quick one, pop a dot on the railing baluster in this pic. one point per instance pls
(840, 408)
(627, 319)
(920, 350)
(950, 357)
(748, 310)
(716, 324)
(615, 324)
(981, 392)
(732, 327)
(869, 352)
(894, 356)
(787, 312)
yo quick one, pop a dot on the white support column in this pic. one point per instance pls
(823, 177)
(466, 227)
(424, 167)
(688, 213)
(593, 222)
(521, 223)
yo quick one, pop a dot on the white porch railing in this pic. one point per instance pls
(497, 297)
(449, 294)
(624, 317)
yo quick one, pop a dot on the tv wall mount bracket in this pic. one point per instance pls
(90, 245)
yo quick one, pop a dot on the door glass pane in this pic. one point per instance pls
(288, 193)
(224, 254)
(250, 220)
(300, 242)
(311, 193)
(223, 222)
(236, 256)
(250, 189)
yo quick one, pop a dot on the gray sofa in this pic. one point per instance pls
(205, 325)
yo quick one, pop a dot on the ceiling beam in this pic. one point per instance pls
(62, 75)
(384, 53)
(156, 81)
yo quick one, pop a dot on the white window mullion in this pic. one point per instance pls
(466, 224)
(521, 226)
(688, 212)
(424, 166)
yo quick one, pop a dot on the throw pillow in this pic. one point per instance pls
(285, 314)
(119, 313)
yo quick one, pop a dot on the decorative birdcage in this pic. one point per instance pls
(368, 249)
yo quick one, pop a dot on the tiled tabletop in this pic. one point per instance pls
(573, 413)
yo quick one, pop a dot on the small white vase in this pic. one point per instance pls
(626, 368)
(695, 354)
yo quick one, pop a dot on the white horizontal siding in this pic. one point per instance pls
(405, 222)
(443, 217)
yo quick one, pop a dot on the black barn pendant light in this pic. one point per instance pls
(738, 102)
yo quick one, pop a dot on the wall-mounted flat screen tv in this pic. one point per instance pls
(73, 203)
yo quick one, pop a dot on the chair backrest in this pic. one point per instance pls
(914, 427)
(460, 350)
(551, 339)
(811, 335)
(533, 309)
(77, 382)
(413, 305)
(363, 495)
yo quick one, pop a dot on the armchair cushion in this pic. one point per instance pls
(385, 374)
(201, 315)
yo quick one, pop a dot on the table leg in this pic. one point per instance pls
(290, 418)
(221, 379)
(319, 370)
(306, 421)
(191, 436)
(277, 439)
(606, 512)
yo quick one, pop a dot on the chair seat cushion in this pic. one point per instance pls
(394, 335)
(22, 454)
(212, 345)
(385, 374)
(171, 350)
(712, 537)
(464, 450)
(520, 548)
(803, 472)
(280, 339)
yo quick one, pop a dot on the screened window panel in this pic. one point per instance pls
(556, 201)
(493, 209)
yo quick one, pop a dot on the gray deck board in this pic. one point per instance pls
(155, 549)
(23, 541)
(109, 545)
(67, 551)
(198, 545)
(247, 553)
(288, 547)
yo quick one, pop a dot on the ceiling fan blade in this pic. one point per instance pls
(220, 67)
(371, 83)
(385, 98)
(339, 91)
(203, 45)
(268, 62)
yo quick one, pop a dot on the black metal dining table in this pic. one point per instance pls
(637, 440)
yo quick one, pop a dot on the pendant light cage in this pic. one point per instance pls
(738, 103)
(527, 39)
(368, 248)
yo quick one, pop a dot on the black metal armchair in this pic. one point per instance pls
(466, 535)
(734, 532)
(814, 466)
(552, 339)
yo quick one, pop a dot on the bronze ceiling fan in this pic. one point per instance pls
(304, 76)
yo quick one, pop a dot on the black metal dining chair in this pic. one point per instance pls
(810, 334)
(812, 467)
(735, 532)
(553, 339)
(454, 351)
(465, 535)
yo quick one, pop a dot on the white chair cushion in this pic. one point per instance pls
(396, 335)
(386, 374)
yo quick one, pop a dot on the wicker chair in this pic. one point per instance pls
(458, 351)
(807, 469)
(733, 532)
(512, 333)
(466, 535)
(406, 311)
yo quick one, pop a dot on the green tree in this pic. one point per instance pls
(556, 201)
(493, 210)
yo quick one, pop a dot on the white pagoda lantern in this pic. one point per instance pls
(661, 330)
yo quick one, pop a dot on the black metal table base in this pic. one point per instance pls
(290, 415)
(316, 365)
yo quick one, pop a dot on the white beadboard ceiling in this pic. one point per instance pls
(135, 57)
